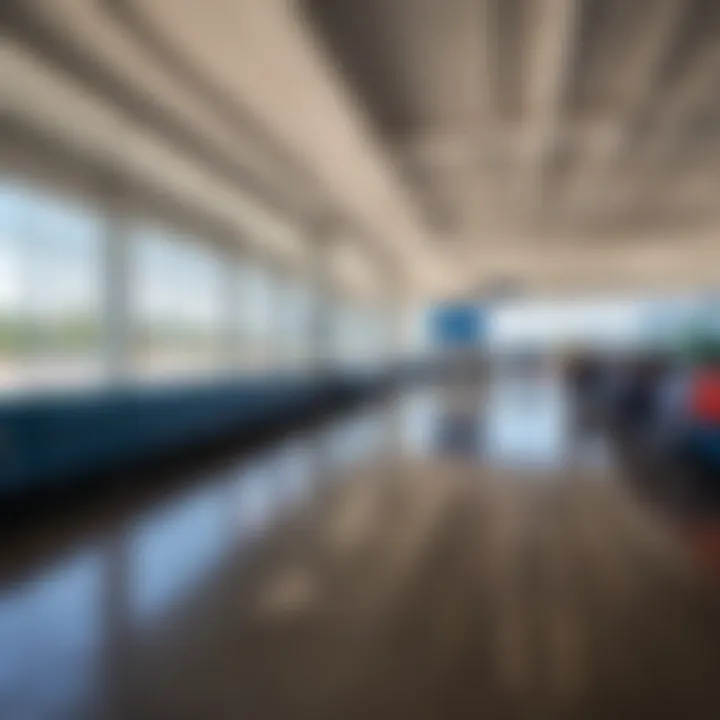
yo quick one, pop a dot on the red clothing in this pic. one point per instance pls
(705, 396)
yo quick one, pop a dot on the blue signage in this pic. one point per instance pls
(457, 325)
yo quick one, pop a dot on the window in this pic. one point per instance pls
(176, 295)
(370, 335)
(188, 310)
(359, 335)
(50, 291)
(302, 329)
(345, 334)
(294, 316)
(255, 290)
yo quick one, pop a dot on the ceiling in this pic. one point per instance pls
(555, 143)
(547, 145)
(228, 106)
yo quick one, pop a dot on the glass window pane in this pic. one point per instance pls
(178, 319)
(255, 314)
(50, 291)
(301, 325)
(292, 323)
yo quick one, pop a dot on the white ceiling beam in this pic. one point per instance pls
(464, 147)
(677, 107)
(37, 95)
(306, 106)
(439, 149)
(550, 66)
(635, 84)
(659, 262)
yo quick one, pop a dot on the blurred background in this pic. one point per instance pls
(359, 357)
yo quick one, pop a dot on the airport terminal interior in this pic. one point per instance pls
(359, 359)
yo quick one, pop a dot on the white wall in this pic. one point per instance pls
(551, 323)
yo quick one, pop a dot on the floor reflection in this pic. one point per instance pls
(51, 635)
(527, 423)
(518, 422)
(172, 550)
(59, 625)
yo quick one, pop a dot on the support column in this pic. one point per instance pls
(321, 240)
(393, 306)
(117, 335)
(324, 236)
(232, 340)
(276, 341)
(393, 334)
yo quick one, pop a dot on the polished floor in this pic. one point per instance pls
(454, 554)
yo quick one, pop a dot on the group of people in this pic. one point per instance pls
(660, 407)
